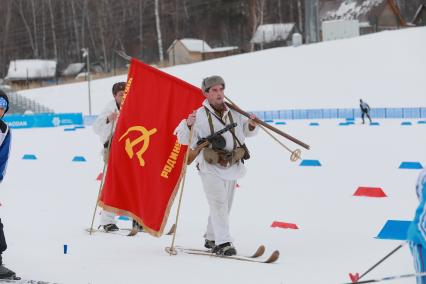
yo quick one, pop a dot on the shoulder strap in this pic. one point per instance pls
(221, 121)
(209, 117)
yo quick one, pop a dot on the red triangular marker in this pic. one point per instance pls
(283, 225)
(99, 177)
(354, 277)
(370, 192)
(237, 186)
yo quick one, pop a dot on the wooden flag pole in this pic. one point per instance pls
(103, 178)
(171, 250)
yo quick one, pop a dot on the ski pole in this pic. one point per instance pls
(171, 250)
(390, 278)
(103, 177)
(379, 262)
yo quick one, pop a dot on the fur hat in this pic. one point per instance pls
(5, 101)
(211, 81)
(117, 87)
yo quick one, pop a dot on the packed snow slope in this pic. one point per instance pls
(385, 69)
(49, 202)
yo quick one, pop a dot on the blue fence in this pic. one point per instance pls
(345, 113)
(63, 119)
(43, 120)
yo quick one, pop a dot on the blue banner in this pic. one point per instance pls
(43, 120)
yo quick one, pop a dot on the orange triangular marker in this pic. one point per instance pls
(283, 225)
(99, 177)
(370, 192)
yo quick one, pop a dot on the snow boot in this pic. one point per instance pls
(137, 226)
(6, 273)
(225, 249)
(109, 227)
(209, 244)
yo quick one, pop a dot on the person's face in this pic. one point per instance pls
(119, 97)
(2, 110)
(216, 96)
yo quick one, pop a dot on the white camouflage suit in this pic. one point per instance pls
(218, 181)
(103, 129)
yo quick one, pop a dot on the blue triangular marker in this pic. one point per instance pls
(79, 127)
(406, 123)
(411, 165)
(314, 124)
(280, 123)
(310, 163)
(79, 159)
(374, 124)
(394, 230)
(421, 122)
(29, 157)
(69, 129)
(124, 218)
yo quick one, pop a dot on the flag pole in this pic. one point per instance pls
(171, 250)
(103, 178)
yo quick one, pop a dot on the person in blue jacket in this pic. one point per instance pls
(417, 230)
(5, 138)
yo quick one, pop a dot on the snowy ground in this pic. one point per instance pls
(49, 202)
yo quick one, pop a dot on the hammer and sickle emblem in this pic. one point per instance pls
(144, 137)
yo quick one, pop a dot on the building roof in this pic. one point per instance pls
(195, 45)
(22, 69)
(73, 69)
(198, 45)
(272, 32)
(355, 9)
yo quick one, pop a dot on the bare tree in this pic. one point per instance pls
(159, 39)
(52, 27)
(27, 27)
(257, 14)
(74, 23)
(300, 16)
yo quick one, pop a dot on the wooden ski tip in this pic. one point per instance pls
(273, 257)
(172, 230)
(171, 251)
(133, 232)
(260, 251)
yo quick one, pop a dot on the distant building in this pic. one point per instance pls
(419, 18)
(31, 70)
(373, 15)
(273, 35)
(73, 69)
(188, 50)
(339, 29)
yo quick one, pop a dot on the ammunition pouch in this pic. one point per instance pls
(223, 157)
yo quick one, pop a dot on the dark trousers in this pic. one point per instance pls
(3, 245)
(363, 114)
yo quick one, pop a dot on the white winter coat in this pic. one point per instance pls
(100, 126)
(202, 129)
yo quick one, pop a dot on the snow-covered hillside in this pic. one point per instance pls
(386, 69)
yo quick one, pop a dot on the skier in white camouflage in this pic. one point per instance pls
(219, 169)
(103, 127)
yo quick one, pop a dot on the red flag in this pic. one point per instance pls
(146, 160)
